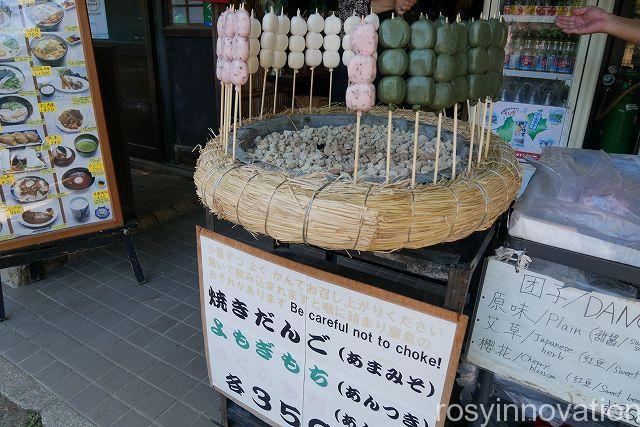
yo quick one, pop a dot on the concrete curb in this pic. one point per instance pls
(27, 393)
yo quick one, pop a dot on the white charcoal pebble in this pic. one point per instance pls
(279, 59)
(266, 58)
(329, 149)
(298, 25)
(346, 42)
(350, 23)
(253, 64)
(331, 43)
(282, 41)
(330, 59)
(314, 40)
(268, 40)
(270, 22)
(297, 44)
(296, 60)
(332, 25)
(313, 57)
(315, 23)
(254, 47)
(256, 28)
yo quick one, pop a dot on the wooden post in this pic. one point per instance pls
(330, 85)
(275, 92)
(416, 128)
(293, 91)
(264, 88)
(454, 151)
(311, 90)
(389, 132)
(438, 137)
(482, 122)
(235, 121)
(486, 146)
(357, 148)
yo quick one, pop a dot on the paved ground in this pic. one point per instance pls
(118, 353)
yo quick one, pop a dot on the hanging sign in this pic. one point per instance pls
(579, 346)
(301, 347)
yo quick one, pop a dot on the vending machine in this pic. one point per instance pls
(549, 77)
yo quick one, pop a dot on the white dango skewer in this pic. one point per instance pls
(239, 69)
(314, 40)
(268, 40)
(349, 24)
(361, 93)
(279, 53)
(254, 51)
(331, 45)
(296, 49)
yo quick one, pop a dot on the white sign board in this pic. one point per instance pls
(302, 347)
(98, 19)
(582, 347)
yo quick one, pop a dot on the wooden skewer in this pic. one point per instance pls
(223, 96)
(472, 119)
(330, 85)
(229, 110)
(389, 131)
(235, 121)
(489, 130)
(275, 92)
(415, 148)
(250, 94)
(484, 119)
(240, 103)
(357, 151)
(293, 90)
(264, 88)
(438, 137)
(311, 89)
(454, 151)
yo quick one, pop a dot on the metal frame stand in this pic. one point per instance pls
(30, 256)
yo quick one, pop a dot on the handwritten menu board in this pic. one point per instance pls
(301, 347)
(579, 346)
(55, 171)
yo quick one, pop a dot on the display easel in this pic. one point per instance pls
(29, 256)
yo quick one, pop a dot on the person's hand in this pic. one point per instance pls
(584, 20)
(403, 6)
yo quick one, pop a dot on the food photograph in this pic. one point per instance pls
(56, 49)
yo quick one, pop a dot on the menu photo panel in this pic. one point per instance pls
(56, 175)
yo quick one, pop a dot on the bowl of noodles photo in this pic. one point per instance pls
(47, 15)
(50, 49)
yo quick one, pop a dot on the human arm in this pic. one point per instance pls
(399, 6)
(589, 20)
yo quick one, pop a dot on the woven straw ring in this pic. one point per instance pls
(306, 214)
(240, 198)
(266, 216)
(413, 211)
(364, 208)
(219, 180)
(455, 197)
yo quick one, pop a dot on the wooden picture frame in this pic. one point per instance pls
(103, 138)
(460, 320)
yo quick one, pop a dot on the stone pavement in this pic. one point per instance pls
(118, 353)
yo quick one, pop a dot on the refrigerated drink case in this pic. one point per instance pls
(543, 69)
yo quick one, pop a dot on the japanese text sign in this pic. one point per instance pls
(301, 347)
(579, 346)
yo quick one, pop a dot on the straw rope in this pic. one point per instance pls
(337, 214)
